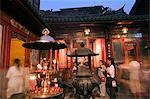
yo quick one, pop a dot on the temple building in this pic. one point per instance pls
(105, 31)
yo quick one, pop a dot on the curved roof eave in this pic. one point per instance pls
(101, 18)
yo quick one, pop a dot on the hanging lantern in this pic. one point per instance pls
(87, 31)
(125, 30)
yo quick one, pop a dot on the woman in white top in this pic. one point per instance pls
(101, 72)
(15, 77)
(110, 85)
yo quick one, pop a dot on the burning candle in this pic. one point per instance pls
(39, 76)
(55, 79)
(56, 85)
(45, 90)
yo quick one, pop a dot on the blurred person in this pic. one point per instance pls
(135, 85)
(101, 75)
(15, 88)
(110, 80)
(145, 81)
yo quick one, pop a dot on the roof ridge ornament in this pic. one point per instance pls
(121, 10)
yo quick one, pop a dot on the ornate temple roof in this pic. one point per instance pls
(86, 14)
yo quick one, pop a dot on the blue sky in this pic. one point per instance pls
(60, 4)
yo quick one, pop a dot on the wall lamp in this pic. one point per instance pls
(87, 31)
(124, 29)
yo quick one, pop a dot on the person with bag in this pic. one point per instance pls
(101, 72)
(111, 83)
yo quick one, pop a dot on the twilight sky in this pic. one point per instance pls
(60, 4)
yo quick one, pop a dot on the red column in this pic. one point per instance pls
(71, 49)
(137, 50)
(87, 42)
(56, 58)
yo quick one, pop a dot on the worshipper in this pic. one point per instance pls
(111, 84)
(101, 75)
(15, 76)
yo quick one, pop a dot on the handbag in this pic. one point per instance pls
(102, 79)
(114, 83)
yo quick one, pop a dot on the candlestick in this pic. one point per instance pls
(32, 82)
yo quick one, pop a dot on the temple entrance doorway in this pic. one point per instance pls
(17, 51)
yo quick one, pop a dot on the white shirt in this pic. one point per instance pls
(16, 82)
(111, 70)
